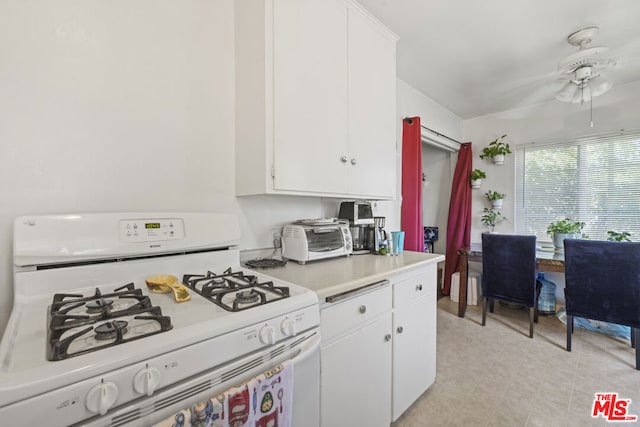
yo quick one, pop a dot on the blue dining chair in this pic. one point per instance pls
(602, 282)
(509, 273)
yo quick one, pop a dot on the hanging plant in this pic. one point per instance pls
(476, 178)
(495, 198)
(496, 150)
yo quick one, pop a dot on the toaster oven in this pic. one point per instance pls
(310, 240)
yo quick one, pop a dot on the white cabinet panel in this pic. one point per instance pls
(414, 352)
(310, 95)
(356, 378)
(414, 336)
(372, 107)
(337, 319)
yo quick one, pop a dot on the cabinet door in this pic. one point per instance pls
(414, 352)
(372, 108)
(355, 381)
(310, 95)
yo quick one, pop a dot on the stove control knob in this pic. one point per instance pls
(288, 327)
(267, 335)
(102, 397)
(146, 381)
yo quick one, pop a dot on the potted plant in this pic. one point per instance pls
(496, 150)
(496, 198)
(476, 178)
(491, 218)
(565, 228)
(618, 236)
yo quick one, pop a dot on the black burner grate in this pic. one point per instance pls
(65, 328)
(220, 287)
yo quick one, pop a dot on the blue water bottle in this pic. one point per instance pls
(547, 297)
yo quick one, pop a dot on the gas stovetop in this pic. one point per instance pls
(79, 323)
(82, 323)
(235, 290)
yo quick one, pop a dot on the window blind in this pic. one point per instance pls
(595, 180)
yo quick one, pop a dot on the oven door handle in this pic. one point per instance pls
(304, 354)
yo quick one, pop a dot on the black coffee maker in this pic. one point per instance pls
(360, 217)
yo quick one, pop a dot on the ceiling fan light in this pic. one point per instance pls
(567, 92)
(599, 85)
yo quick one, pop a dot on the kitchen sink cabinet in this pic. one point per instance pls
(414, 337)
(315, 100)
(356, 360)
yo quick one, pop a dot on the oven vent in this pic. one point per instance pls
(143, 411)
(253, 363)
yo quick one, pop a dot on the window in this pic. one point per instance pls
(595, 180)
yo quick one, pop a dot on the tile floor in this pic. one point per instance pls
(497, 376)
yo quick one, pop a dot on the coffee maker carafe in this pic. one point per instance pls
(360, 236)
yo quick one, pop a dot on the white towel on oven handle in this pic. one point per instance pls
(264, 401)
(207, 413)
(272, 400)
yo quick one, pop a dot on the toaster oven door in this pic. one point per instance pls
(324, 239)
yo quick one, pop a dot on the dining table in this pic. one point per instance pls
(547, 259)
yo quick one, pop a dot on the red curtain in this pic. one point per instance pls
(412, 185)
(459, 223)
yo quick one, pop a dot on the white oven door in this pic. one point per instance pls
(302, 350)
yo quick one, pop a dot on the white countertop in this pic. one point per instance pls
(337, 275)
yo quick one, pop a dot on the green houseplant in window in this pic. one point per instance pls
(618, 236)
(476, 178)
(496, 150)
(495, 197)
(565, 228)
(491, 218)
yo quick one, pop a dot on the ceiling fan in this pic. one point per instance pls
(584, 70)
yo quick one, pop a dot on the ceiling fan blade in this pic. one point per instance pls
(567, 92)
(600, 84)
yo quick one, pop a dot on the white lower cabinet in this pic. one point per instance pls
(414, 337)
(378, 351)
(356, 361)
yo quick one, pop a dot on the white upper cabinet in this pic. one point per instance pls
(315, 100)
(372, 106)
(310, 95)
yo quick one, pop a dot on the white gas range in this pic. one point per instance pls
(87, 343)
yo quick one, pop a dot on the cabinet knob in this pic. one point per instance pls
(400, 329)
(344, 159)
(419, 288)
(363, 309)
(353, 161)
(387, 337)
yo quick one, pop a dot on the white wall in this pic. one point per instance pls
(437, 165)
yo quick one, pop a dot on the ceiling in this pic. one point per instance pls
(480, 57)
